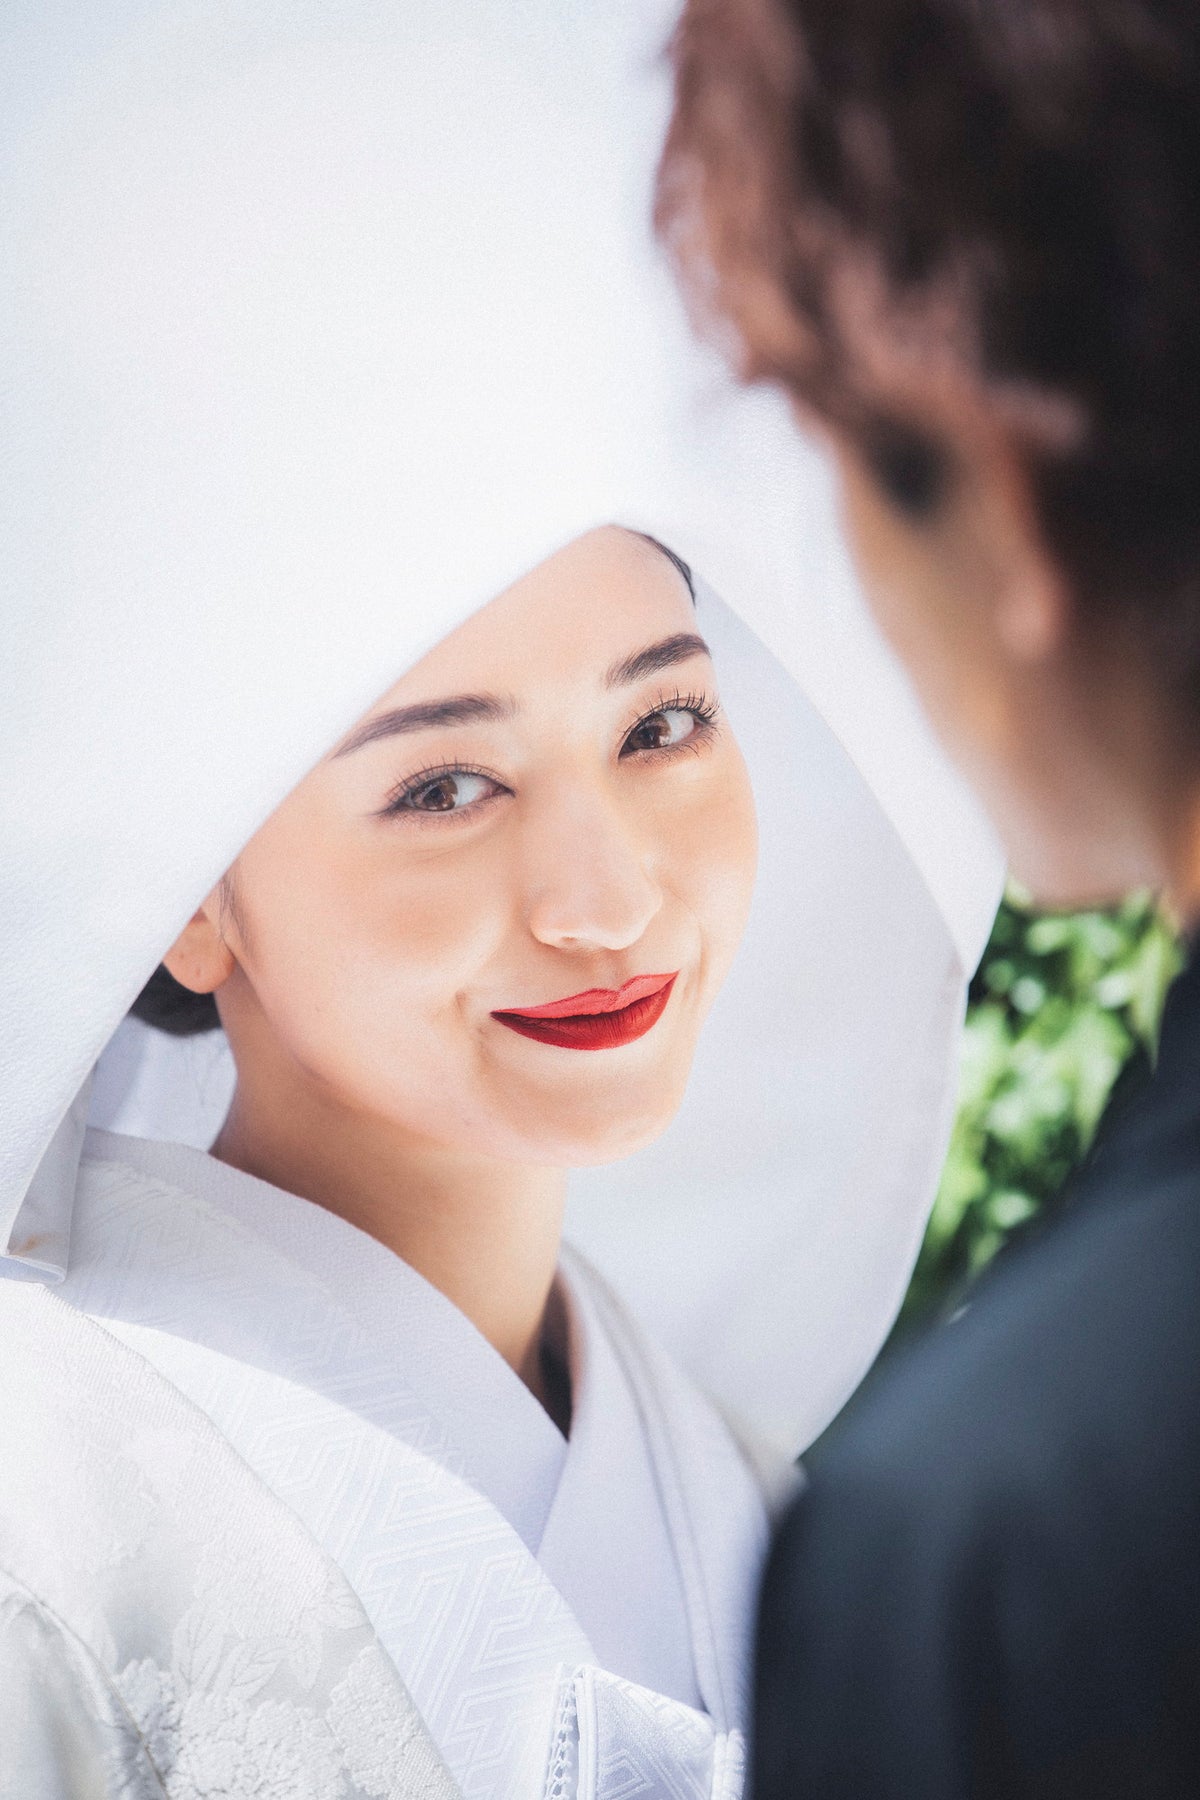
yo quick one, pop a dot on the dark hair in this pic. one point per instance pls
(674, 558)
(1034, 162)
(167, 1004)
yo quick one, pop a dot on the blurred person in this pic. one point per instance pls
(964, 236)
(406, 1192)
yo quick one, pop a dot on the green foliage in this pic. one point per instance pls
(1059, 1006)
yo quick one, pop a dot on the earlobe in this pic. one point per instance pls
(1033, 611)
(1031, 617)
(200, 959)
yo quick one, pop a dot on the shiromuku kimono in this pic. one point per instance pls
(323, 323)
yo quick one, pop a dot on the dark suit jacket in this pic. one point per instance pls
(992, 1586)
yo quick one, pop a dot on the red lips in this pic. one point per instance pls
(599, 1019)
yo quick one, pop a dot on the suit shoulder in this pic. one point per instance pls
(1083, 1348)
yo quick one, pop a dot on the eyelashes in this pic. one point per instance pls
(699, 708)
(705, 708)
(440, 785)
(450, 791)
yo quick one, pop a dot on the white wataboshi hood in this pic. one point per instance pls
(322, 323)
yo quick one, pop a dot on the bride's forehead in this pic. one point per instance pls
(593, 604)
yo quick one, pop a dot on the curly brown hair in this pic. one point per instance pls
(1023, 173)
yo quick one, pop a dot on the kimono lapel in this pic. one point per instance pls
(499, 1669)
(715, 1505)
(609, 1546)
(456, 1599)
(232, 1648)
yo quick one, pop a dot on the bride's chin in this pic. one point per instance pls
(581, 1137)
(600, 1153)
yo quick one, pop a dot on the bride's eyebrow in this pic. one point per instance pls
(663, 655)
(466, 709)
(460, 709)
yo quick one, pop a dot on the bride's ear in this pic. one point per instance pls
(200, 959)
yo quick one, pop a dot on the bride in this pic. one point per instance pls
(404, 798)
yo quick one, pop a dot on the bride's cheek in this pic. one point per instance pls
(731, 868)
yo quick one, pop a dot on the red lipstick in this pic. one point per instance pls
(599, 1019)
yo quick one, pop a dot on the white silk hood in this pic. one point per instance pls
(321, 324)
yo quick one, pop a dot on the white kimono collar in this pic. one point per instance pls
(429, 1375)
(166, 1272)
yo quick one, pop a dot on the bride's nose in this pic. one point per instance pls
(589, 874)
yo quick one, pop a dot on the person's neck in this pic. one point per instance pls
(485, 1233)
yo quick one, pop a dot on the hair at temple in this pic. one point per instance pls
(1038, 161)
(170, 1006)
(684, 568)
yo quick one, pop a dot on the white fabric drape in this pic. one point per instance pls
(322, 324)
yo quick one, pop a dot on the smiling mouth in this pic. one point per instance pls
(600, 1019)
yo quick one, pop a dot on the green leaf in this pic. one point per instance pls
(1063, 1001)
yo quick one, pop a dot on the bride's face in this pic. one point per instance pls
(548, 812)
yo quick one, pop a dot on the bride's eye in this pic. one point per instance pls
(670, 727)
(662, 730)
(449, 791)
